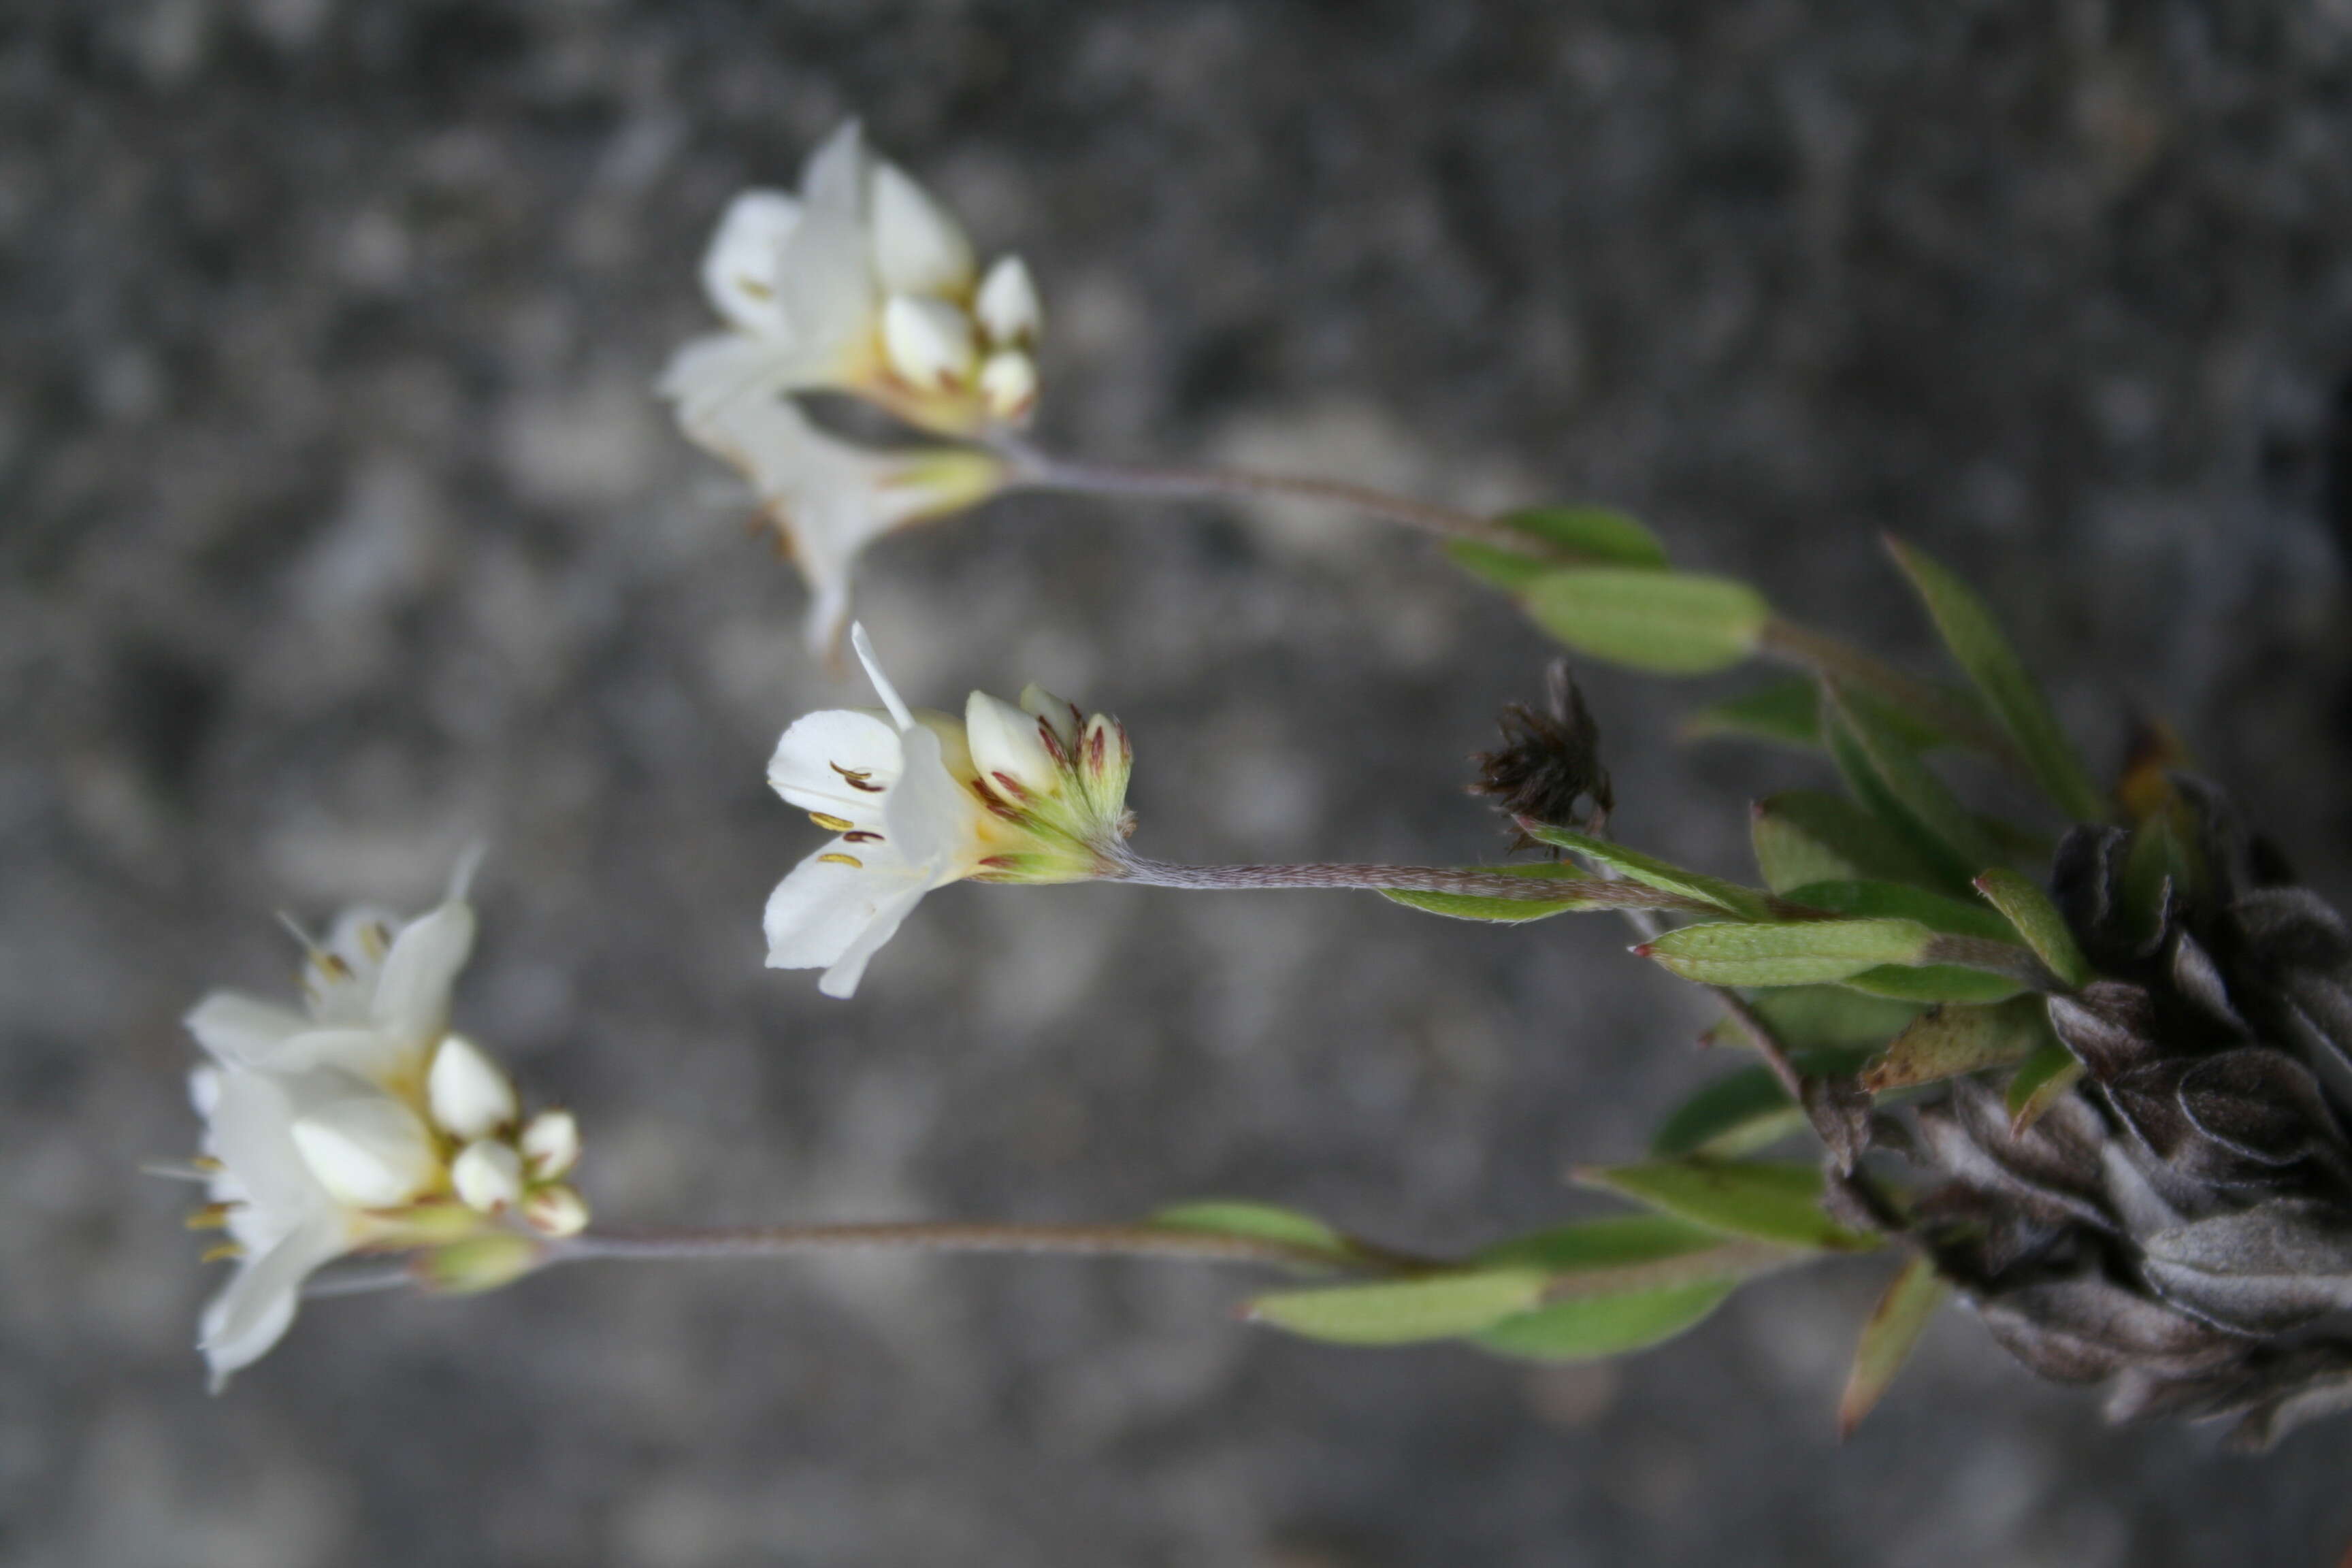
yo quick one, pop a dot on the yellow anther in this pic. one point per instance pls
(212, 1216)
(831, 824)
(223, 1253)
(839, 859)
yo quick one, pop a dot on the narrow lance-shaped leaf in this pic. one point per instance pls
(1737, 1114)
(1824, 1016)
(2037, 920)
(1888, 1338)
(1780, 1204)
(1650, 871)
(1936, 983)
(2046, 1079)
(1871, 899)
(1787, 711)
(1260, 1222)
(1960, 1037)
(1470, 907)
(1669, 622)
(1404, 1311)
(1593, 1327)
(1804, 953)
(1979, 647)
(1940, 824)
(1803, 836)
(1593, 534)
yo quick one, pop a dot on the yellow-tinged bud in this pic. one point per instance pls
(481, 1262)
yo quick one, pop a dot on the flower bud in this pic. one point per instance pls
(468, 1092)
(556, 1210)
(1008, 385)
(1007, 304)
(549, 1144)
(370, 1152)
(1060, 715)
(1008, 750)
(929, 341)
(479, 1263)
(488, 1174)
(918, 248)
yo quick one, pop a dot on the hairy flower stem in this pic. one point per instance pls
(1400, 879)
(1032, 470)
(1146, 1241)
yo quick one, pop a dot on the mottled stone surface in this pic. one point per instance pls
(340, 529)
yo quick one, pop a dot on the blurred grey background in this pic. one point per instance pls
(341, 528)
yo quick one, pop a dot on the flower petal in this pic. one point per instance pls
(249, 1130)
(919, 248)
(370, 1150)
(822, 761)
(818, 911)
(834, 178)
(888, 693)
(243, 1029)
(254, 1309)
(841, 980)
(931, 819)
(739, 271)
(412, 996)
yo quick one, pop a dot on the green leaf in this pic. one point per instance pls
(1736, 1114)
(1960, 1037)
(1888, 1339)
(1669, 622)
(1780, 1203)
(1648, 869)
(1979, 647)
(1497, 566)
(1593, 535)
(1803, 836)
(1595, 1326)
(1787, 711)
(2039, 1084)
(1896, 901)
(1612, 1241)
(1596, 533)
(2037, 920)
(1404, 1311)
(1805, 953)
(1936, 982)
(1888, 776)
(1510, 911)
(1259, 1222)
(1821, 1017)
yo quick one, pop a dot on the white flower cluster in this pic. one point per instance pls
(1035, 792)
(362, 1124)
(862, 284)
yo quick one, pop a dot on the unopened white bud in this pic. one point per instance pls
(929, 341)
(469, 1093)
(1007, 748)
(556, 1210)
(549, 1144)
(488, 1174)
(1007, 303)
(1008, 385)
(1061, 714)
(919, 248)
(371, 1152)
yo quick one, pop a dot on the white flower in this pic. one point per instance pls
(859, 283)
(828, 498)
(335, 1130)
(1032, 794)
